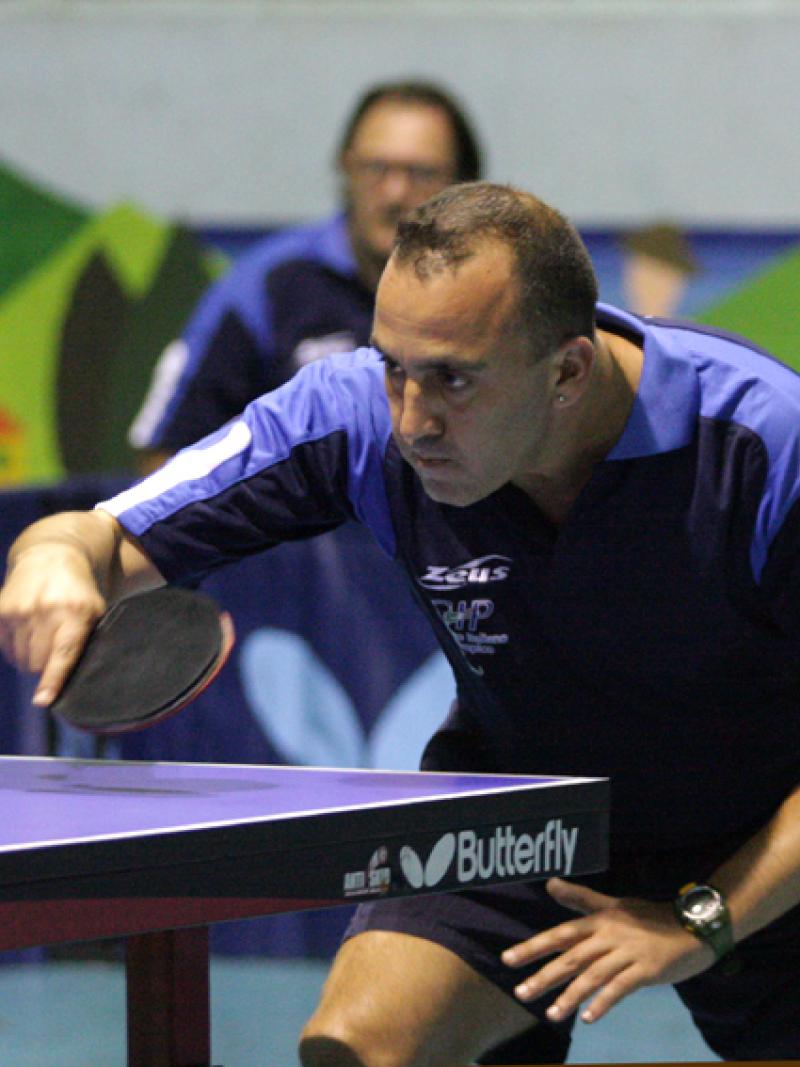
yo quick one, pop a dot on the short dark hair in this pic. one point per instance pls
(557, 283)
(469, 164)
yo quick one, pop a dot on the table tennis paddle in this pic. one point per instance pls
(147, 657)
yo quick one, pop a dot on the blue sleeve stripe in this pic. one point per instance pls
(339, 395)
(185, 476)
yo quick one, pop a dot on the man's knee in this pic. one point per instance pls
(353, 1028)
(394, 1000)
(335, 1045)
(320, 1050)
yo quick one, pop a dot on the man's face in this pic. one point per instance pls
(400, 155)
(470, 406)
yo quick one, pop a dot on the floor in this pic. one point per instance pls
(71, 1014)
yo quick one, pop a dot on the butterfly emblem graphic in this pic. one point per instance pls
(429, 874)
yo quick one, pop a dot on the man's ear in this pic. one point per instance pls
(573, 365)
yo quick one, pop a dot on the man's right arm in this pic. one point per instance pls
(63, 572)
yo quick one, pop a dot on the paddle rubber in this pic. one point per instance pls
(148, 656)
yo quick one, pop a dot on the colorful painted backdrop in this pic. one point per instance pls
(89, 299)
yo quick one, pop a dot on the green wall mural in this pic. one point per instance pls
(766, 309)
(87, 304)
(89, 300)
(34, 223)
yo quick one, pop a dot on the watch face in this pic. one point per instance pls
(704, 913)
(702, 904)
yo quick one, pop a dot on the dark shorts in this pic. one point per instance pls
(754, 1014)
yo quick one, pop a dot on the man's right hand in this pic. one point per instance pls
(49, 605)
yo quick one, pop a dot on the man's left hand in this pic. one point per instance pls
(616, 946)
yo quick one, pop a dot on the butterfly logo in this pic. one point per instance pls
(310, 719)
(429, 874)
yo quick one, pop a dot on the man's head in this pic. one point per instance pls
(553, 274)
(485, 319)
(404, 142)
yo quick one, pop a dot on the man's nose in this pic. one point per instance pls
(397, 185)
(418, 417)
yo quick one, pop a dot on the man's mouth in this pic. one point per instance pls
(392, 216)
(425, 462)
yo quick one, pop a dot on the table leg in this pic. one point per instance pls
(168, 999)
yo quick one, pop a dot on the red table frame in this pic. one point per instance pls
(167, 970)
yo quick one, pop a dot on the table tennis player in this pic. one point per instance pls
(305, 292)
(599, 514)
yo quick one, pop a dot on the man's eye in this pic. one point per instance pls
(421, 175)
(454, 382)
(393, 371)
(375, 169)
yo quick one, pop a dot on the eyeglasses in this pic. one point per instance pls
(375, 171)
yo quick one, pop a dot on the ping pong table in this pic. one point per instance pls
(155, 852)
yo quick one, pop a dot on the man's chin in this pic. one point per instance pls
(379, 242)
(444, 480)
(453, 495)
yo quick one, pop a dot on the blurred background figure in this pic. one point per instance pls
(304, 293)
(657, 265)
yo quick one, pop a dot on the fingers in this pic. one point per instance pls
(558, 939)
(611, 993)
(578, 897)
(570, 961)
(64, 652)
(603, 956)
(562, 937)
(590, 967)
(44, 626)
(610, 979)
(611, 975)
(49, 646)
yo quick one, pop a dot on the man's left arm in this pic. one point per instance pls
(619, 945)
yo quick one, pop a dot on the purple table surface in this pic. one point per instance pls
(58, 801)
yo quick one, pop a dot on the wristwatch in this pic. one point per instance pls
(701, 909)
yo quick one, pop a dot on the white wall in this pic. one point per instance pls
(228, 111)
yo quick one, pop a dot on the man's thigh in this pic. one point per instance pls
(396, 999)
(436, 972)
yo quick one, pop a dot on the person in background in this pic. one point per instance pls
(657, 265)
(304, 293)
